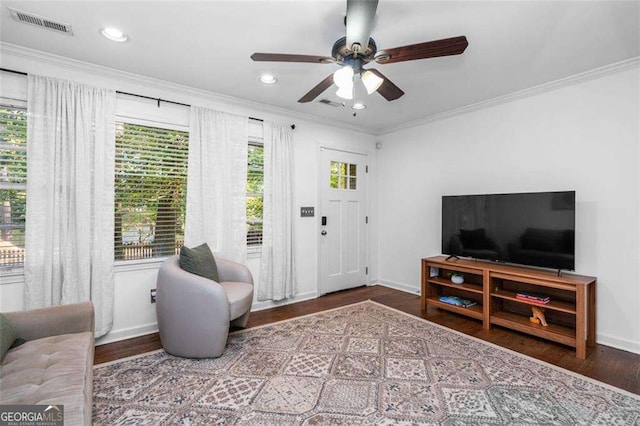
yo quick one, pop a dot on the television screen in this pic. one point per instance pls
(536, 229)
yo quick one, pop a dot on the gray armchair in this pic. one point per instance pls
(194, 313)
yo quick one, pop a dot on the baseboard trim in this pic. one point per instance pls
(399, 286)
(267, 304)
(601, 339)
(618, 343)
(127, 333)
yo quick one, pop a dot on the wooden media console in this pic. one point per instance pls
(570, 314)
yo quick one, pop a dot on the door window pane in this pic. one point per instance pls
(343, 175)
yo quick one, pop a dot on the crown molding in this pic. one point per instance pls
(37, 55)
(525, 93)
(61, 61)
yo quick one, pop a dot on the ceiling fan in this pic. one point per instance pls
(358, 49)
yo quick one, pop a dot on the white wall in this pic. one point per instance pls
(134, 314)
(581, 137)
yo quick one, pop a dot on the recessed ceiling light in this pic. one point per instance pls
(114, 34)
(268, 79)
(358, 105)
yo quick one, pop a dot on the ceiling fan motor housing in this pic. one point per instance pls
(342, 53)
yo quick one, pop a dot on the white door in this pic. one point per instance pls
(343, 220)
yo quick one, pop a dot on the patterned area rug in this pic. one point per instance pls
(360, 364)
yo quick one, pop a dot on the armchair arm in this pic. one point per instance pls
(229, 270)
(52, 321)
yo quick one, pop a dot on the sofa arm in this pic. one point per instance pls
(52, 321)
(229, 270)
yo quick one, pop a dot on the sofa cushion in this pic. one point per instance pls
(51, 370)
(240, 296)
(199, 261)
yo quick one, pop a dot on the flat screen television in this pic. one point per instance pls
(536, 229)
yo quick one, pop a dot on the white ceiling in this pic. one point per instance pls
(513, 45)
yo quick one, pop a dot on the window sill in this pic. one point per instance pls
(11, 276)
(16, 275)
(138, 265)
(254, 252)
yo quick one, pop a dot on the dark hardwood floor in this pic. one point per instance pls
(613, 366)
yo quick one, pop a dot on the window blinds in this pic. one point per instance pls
(150, 191)
(13, 185)
(255, 190)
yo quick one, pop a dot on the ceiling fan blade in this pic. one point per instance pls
(429, 49)
(283, 57)
(315, 92)
(360, 15)
(388, 90)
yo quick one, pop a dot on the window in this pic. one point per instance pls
(13, 185)
(255, 193)
(343, 175)
(150, 191)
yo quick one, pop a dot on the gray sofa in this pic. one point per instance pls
(54, 365)
(194, 313)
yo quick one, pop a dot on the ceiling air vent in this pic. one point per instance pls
(40, 21)
(331, 103)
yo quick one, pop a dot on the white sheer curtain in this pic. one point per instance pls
(217, 183)
(70, 196)
(277, 269)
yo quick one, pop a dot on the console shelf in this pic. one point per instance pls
(553, 305)
(474, 288)
(570, 314)
(473, 311)
(557, 333)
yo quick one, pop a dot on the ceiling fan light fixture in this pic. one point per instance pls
(114, 34)
(371, 81)
(343, 78)
(268, 79)
(345, 92)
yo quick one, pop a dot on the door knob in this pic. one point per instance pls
(323, 232)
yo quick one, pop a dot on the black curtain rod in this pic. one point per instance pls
(13, 71)
(152, 99)
(293, 126)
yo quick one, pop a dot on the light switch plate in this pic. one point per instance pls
(307, 211)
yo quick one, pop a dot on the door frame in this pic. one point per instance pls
(367, 204)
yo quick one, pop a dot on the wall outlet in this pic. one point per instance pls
(153, 295)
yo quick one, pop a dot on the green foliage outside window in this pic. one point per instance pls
(255, 191)
(13, 185)
(150, 191)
